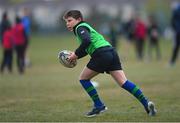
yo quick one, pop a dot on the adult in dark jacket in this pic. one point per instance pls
(176, 27)
(153, 37)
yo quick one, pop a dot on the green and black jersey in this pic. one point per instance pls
(89, 39)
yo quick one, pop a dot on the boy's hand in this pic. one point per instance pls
(72, 57)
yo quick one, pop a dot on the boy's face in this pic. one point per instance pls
(71, 22)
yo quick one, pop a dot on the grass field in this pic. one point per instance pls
(51, 92)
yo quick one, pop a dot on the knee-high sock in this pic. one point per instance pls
(135, 90)
(89, 88)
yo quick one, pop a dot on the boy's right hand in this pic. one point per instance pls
(72, 57)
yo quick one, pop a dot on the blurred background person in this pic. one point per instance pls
(19, 37)
(113, 33)
(140, 35)
(153, 37)
(4, 24)
(129, 28)
(176, 27)
(26, 21)
(7, 45)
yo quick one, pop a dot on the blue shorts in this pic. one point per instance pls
(104, 59)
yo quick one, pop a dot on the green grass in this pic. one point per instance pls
(50, 92)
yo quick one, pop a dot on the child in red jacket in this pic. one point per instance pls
(19, 37)
(7, 49)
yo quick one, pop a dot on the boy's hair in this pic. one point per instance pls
(76, 14)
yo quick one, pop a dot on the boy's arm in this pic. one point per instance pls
(83, 33)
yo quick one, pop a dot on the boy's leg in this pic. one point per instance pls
(89, 88)
(9, 61)
(4, 61)
(99, 106)
(2, 65)
(85, 77)
(120, 77)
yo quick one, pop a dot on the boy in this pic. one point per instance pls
(92, 43)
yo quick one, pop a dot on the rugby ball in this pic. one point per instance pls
(63, 59)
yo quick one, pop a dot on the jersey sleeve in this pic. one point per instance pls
(84, 34)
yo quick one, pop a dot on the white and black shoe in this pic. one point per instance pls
(96, 111)
(151, 109)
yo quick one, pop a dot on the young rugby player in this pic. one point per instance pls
(104, 58)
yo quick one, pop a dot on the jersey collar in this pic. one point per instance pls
(74, 28)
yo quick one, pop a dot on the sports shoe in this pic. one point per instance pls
(151, 109)
(95, 111)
